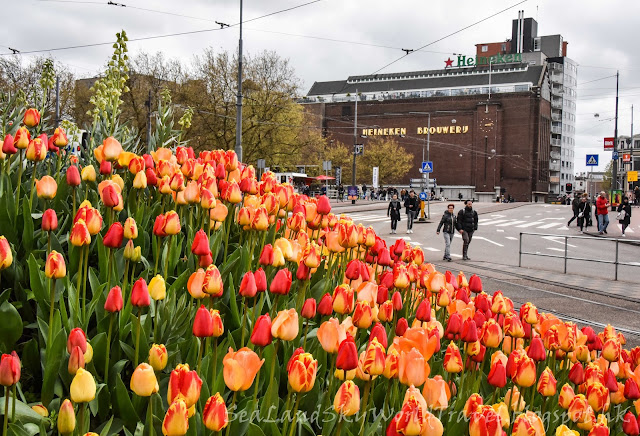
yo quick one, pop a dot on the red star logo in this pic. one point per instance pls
(449, 63)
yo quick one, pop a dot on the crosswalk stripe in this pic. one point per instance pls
(510, 223)
(628, 230)
(491, 222)
(548, 226)
(535, 223)
(431, 249)
(512, 238)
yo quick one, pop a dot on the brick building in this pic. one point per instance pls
(481, 143)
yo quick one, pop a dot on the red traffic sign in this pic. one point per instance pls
(609, 143)
(626, 158)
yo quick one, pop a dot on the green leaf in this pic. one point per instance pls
(22, 430)
(11, 325)
(107, 426)
(54, 359)
(123, 403)
(27, 226)
(233, 304)
(24, 413)
(37, 284)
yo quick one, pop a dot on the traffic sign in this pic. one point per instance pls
(427, 167)
(422, 196)
(614, 155)
(609, 143)
(359, 149)
(592, 160)
(632, 176)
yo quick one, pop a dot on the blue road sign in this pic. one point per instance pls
(427, 167)
(592, 160)
(614, 155)
(422, 196)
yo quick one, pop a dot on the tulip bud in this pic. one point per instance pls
(248, 287)
(113, 237)
(76, 361)
(114, 301)
(423, 313)
(401, 326)
(88, 174)
(630, 425)
(143, 381)
(83, 387)
(281, 283)
(309, 308)
(80, 235)
(285, 325)
(31, 117)
(55, 267)
(77, 338)
(73, 176)
(176, 420)
(497, 375)
(379, 332)
(240, 368)
(157, 288)
(347, 399)
(66, 418)
(325, 307)
(214, 415)
(158, 357)
(202, 324)
(8, 145)
(261, 334)
(140, 294)
(49, 220)
(130, 228)
(9, 369)
(347, 358)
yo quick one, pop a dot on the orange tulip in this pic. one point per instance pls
(436, 393)
(31, 117)
(302, 370)
(79, 235)
(55, 266)
(46, 188)
(215, 415)
(525, 375)
(6, 257)
(578, 408)
(285, 325)
(491, 334)
(611, 349)
(452, 359)
(158, 357)
(343, 299)
(547, 383)
(485, 422)
(566, 396)
(391, 364)
(529, 313)
(385, 311)
(184, 384)
(472, 405)
(240, 368)
(362, 315)
(374, 359)
(212, 282)
(528, 424)
(219, 212)
(598, 397)
(143, 380)
(330, 334)
(36, 150)
(111, 149)
(411, 419)
(176, 421)
(347, 399)
(195, 284)
(413, 369)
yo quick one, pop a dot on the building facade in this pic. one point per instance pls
(486, 130)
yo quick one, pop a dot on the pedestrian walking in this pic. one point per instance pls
(412, 206)
(364, 191)
(467, 223)
(341, 193)
(448, 226)
(602, 211)
(403, 194)
(636, 195)
(584, 213)
(624, 214)
(393, 211)
(574, 206)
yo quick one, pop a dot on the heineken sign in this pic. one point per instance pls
(472, 61)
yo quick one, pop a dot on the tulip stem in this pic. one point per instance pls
(231, 407)
(81, 408)
(13, 403)
(109, 260)
(158, 244)
(244, 321)
(257, 382)
(6, 410)
(33, 185)
(80, 261)
(306, 330)
(295, 415)
(339, 427)
(166, 261)
(20, 169)
(151, 431)
(106, 357)
(84, 286)
(48, 243)
(135, 357)
(125, 278)
(73, 194)
(52, 296)
(200, 346)
(365, 403)
(215, 363)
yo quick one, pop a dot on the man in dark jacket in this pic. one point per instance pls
(448, 221)
(575, 204)
(466, 224)
(412, 206)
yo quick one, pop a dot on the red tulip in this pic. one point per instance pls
(200, 246)
(8, 145)
(630, 425)
(140, 294)
(261, 334)
(261, 280)
(383, 294)
(631, 390)
(303, 272)
(325, 307)
(347, 358)
(536, 350)
(184, 384)
(401, 326)
(152, 179)
(202, 323)
(105, 167)
(309, 308)
(324, 206)
(158, 226)
(281, 283)
(497, 375)
(266, 257)
(576, 374)
(378, 331)
(397, 301)
(76, 361)
(475, 284)
(114, 300)
(49, 220)
(423, 313)
(77, 338)
(248, 287)
(469, 332)
(114, 236)
(73, 176)
(9, 369)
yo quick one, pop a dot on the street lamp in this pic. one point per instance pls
(355, 145)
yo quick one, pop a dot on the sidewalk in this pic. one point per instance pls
(605, 287)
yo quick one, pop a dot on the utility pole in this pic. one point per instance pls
(614, 184)
(355, 143)
(428, 174)
(239, 96)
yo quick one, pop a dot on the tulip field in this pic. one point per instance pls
(169, 291)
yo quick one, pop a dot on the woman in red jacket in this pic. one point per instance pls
(602, 210)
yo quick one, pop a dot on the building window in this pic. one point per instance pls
(503, 47)
(536, 44)
(485, 48)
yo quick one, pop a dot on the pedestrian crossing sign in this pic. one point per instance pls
(427, 167)
(592, 160)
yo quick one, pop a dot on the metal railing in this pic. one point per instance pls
(566, 257)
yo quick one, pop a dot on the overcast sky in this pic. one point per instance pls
(602, 37)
